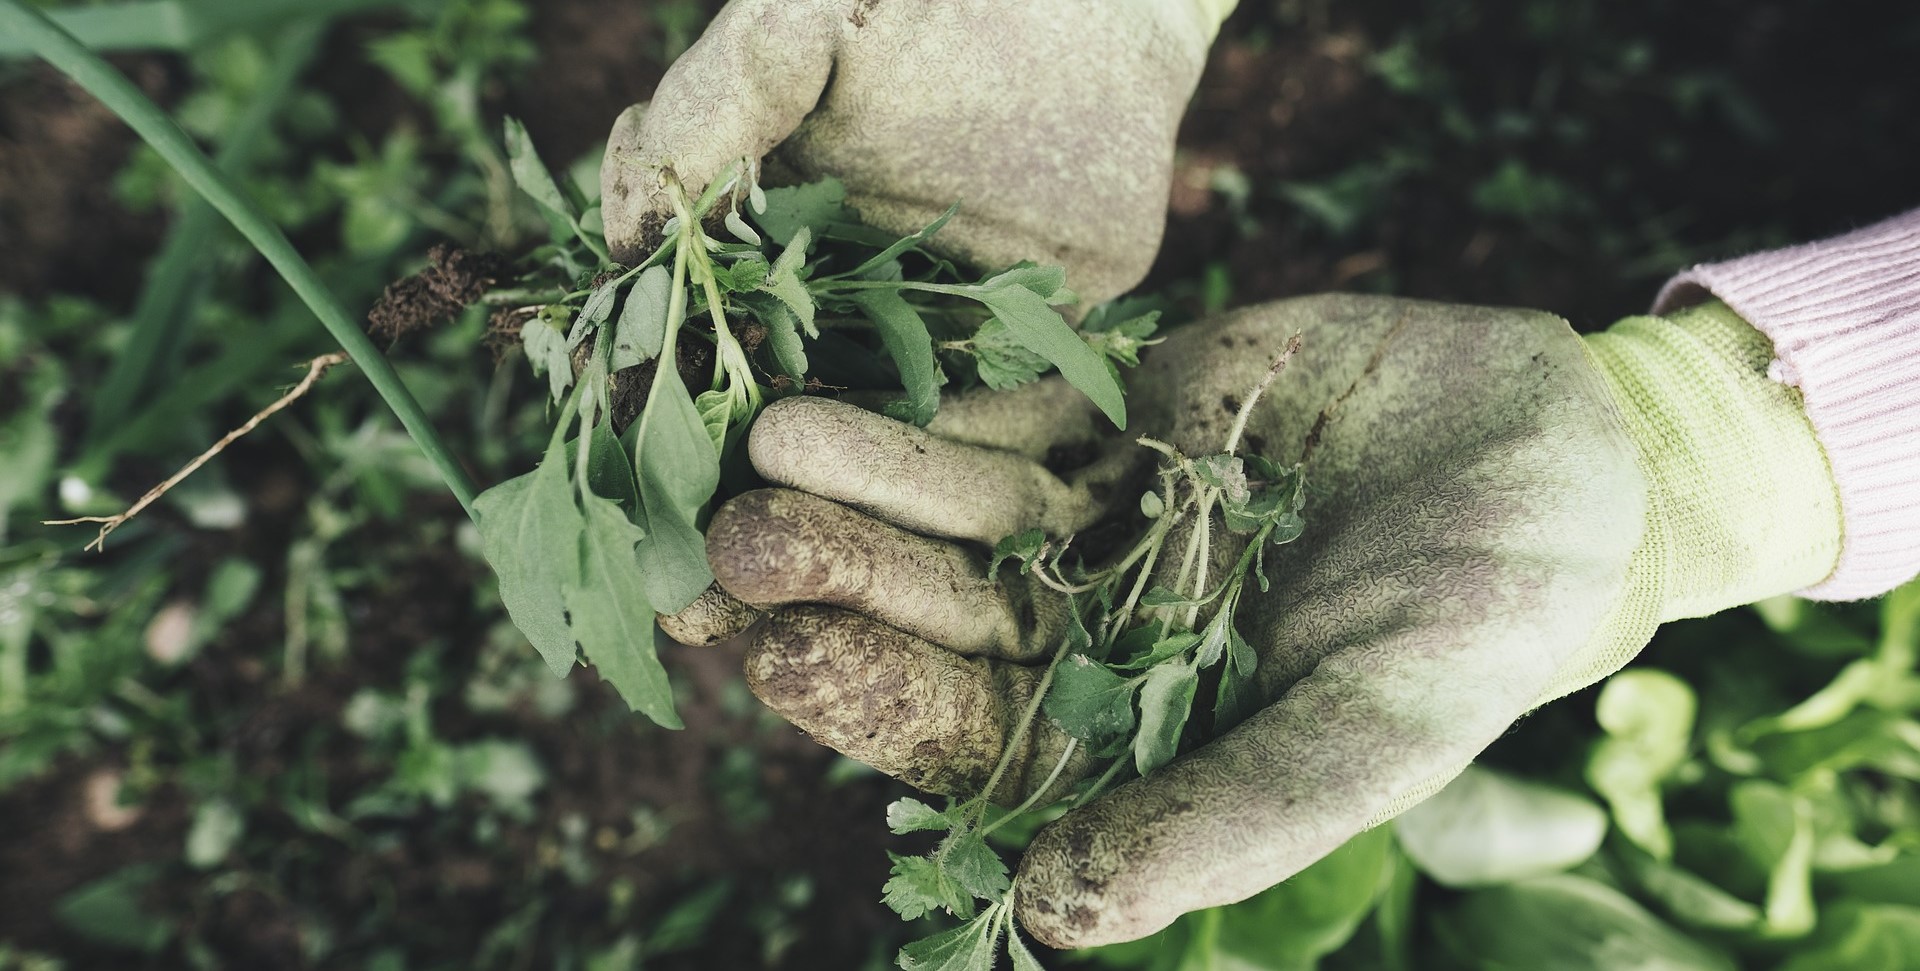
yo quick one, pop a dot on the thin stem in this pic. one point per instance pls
(1026, 721)
(1066, 755)
(1100, 783)
(113, 89)
(1266, 380)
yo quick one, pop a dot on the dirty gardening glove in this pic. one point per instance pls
(1051, 121)
(1501, 512)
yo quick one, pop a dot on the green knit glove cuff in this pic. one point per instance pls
(1741, 502)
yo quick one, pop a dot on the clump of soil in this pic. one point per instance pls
(453, 279)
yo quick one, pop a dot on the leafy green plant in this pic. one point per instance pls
(1122, 681)
(612, 514)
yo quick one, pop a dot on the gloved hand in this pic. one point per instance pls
(1501, 513)
(1051, 121)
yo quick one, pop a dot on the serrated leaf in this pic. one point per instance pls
(919, 886)
(783, 280)
(816, 206)
(1023, 959)
(907, 341)
(1023, 546)
(1090, 702)
(1226, 473)
(969, 947)
(974, 866)
(1165, 701)
(1043, 331)
(613, 624)
(531, 175)
(783, 338)
(909, 815)
(1001, 360)
(530, 534)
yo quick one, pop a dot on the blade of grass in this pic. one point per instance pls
(177, 278)
(113, 89)
(179, 25)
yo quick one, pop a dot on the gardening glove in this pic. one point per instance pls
(1501, 512)
(1051, 122)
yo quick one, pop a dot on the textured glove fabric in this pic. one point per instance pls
(1741, 502)
(1051, 122)
(1844, 318)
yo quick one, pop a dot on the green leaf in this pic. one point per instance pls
(1236, 698)
(783, 281)
(1090, 702)
(1648, 717)
(1159, 596)
(531, 175)
(1775, 827)
(716, 413)
(599, 306)
(783, 338)
(678, 468)
(1024, 546)
(642, 326)
(903, 244)
(909, 344)
(1023, 959)
(1862, 937)
(815, 206)
(609, 473)
(547, 352)
(530, 534)
(1568, 923)
(920, 886)
(974, 865)
(217, 827)
(969, 947)
(1688, 897)
(1488, 827)
(1047, 282)
(612, 622)
(1155, 650)
(1001, 360)
(1165, 701)
(1041, 330)
(909, 815)
(110, 912)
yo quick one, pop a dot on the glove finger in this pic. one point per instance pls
(1031, 419)
(911, 709)
(1366, 733)
(741, 89)
(713, 617)
(776, 547)
(922, 482)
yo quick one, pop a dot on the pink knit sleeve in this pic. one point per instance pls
(1844, 317)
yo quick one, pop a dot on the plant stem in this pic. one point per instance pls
(113, 89)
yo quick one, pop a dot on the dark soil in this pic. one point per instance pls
(453, 279)
(61, 231)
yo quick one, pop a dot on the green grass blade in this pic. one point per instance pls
(178, 25)
(113, 89)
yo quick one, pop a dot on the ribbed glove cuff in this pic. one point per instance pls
(1844, 318)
